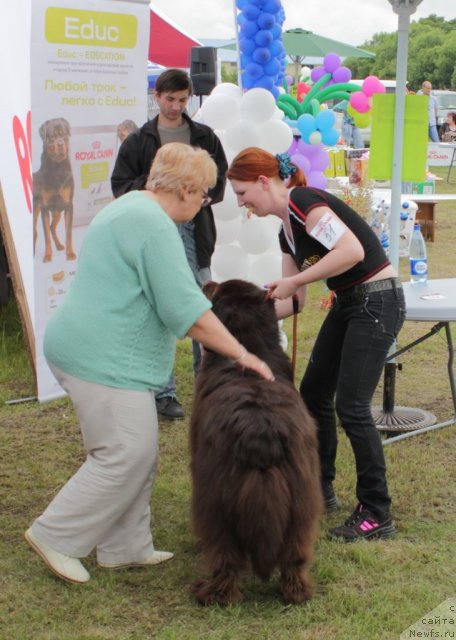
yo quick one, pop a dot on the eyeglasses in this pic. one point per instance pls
(205, 198)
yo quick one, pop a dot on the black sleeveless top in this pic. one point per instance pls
(307, 251)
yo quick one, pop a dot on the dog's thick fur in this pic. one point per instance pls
(53, 188)
(254, 459)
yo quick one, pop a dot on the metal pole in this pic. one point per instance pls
(238, 51)
(398, 141)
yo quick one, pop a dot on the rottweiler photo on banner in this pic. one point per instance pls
(88, 84)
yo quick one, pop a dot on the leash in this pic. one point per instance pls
(295, 301)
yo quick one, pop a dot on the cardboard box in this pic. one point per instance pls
(428, 186)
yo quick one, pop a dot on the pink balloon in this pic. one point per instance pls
(359, 101)
(330, 62)
(372, 85)
(316, 179)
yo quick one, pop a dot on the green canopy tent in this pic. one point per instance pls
(299, 44)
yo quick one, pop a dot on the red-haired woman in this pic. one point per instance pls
(322, 238)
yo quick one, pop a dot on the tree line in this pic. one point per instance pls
(431, 55)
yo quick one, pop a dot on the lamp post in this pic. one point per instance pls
(389, 418)
(404, 9)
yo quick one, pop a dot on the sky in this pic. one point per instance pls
(350, 21)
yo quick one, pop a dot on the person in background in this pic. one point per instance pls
(322, 238)
(448, 130)
(350, 132)
(172, 91)
(111, 346)
(426, 89)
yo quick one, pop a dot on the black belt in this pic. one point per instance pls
(360, 291)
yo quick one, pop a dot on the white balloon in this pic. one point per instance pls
(227, 89)
(220, 111)
(256, 235)
(227, 209)
(230, 261)
(242, 134)
(266, 268)
(275, 136)
(257, 105)
(228, 230)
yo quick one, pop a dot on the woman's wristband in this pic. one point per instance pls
(241, 357)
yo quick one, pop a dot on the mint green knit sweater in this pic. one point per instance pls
(132, 294)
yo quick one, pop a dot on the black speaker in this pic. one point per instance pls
(203, 69)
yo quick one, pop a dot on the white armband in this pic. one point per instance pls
(328, 230)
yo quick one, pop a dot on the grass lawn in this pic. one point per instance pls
(363, 591)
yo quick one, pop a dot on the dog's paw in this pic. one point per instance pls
(296, 588)
(207, 592)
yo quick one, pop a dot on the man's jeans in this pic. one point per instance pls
(345, 365)
(433, 134)
(186, 232)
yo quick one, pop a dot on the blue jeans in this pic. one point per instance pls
(352, 134)
(433, 134)
(342, 374)
(202, 275)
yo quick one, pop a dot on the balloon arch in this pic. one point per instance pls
(269, 112)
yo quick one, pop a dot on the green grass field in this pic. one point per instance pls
(371, 590)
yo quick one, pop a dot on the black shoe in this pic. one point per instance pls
(362, 524)
(169, 407)
(330, 498)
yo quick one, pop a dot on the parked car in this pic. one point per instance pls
(446, 101)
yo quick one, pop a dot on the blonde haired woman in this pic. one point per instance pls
(111, 344)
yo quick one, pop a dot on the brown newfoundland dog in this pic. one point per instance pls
(254, 461)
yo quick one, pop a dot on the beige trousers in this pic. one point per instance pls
(106, 504)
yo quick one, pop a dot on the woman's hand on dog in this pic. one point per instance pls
(212, 334)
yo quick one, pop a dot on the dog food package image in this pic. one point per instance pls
(93, 150)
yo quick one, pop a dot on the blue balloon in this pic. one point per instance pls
(249, 29)
(251, 11)
(276, 48)
(272, 68)
(266, 20)
(306, 125)
(265, 82)
(330, 137)
(262, 55)
(254, 70)
(325, 119)
(263, 38)
(245, 60)
(240, 4)
(247, 81)
(272, 6)
(247, 45)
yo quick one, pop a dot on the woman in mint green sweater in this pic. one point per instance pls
(111, 344)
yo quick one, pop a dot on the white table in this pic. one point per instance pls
(433, 301)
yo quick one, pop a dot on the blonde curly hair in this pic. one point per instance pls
(177, 166)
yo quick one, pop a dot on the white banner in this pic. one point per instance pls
(88, 76)
(15, 124)
(439, 154)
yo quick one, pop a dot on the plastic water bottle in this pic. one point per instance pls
(418, 256)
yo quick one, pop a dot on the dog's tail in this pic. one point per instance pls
(264, 503)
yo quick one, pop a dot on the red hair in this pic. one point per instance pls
(253, 162)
